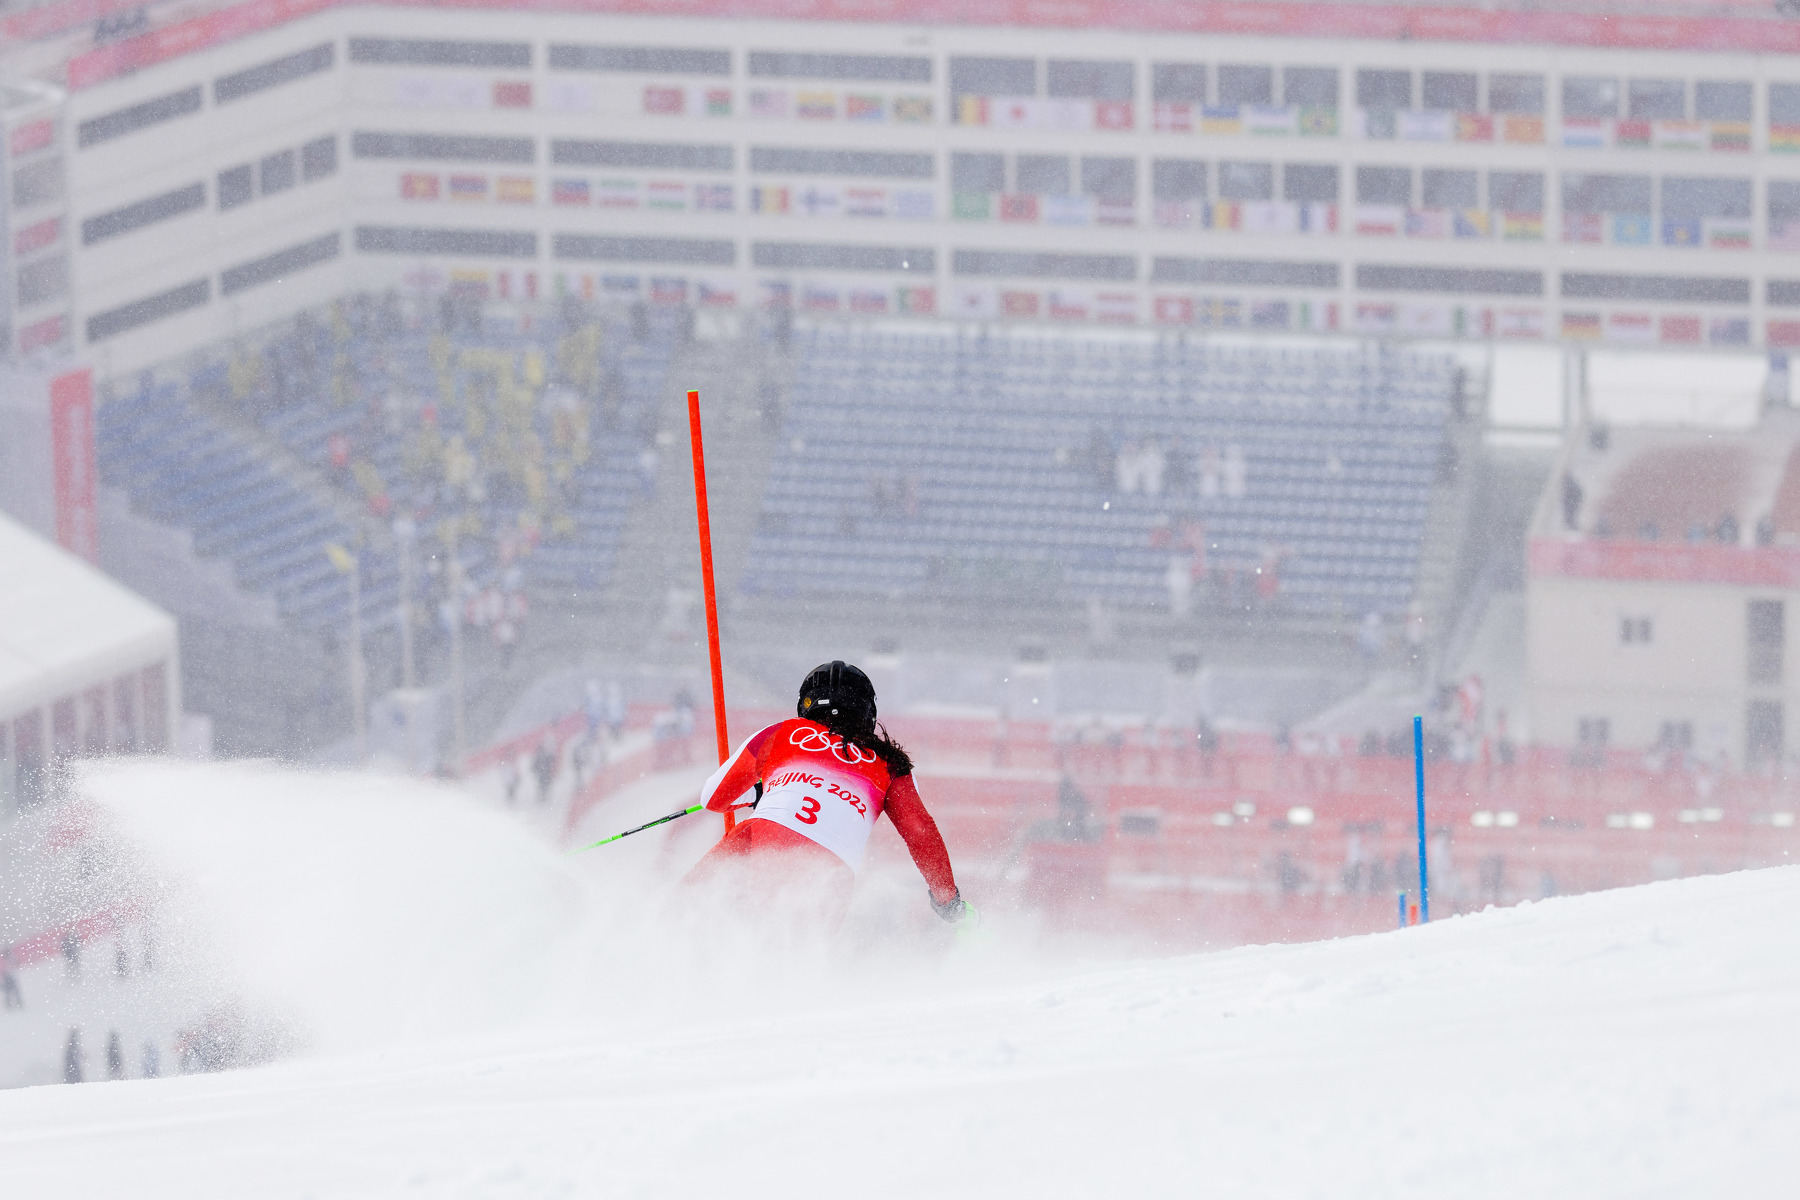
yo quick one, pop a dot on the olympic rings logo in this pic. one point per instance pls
(819, 740)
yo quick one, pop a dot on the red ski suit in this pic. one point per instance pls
(821, 798)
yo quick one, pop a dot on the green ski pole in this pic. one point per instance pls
(646, 825)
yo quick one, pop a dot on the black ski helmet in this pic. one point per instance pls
(837, 693)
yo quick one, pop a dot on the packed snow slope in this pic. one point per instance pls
(1637, 1043)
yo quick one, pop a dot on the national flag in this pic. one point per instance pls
(821, 299)
(1581, 326)
(714, 102)
(769, 102)
(1379, 220)
(1068, 304)
(913, 204)
(1586, 228)
(1317, 317)
(863, 108)
(765, 199)
(1268, 216)
(713, 197)
(816, 106)
(668, 291)
(971, 206)
(971, 110)
(1522, 131)
(32, 135)
(868, 301)
(1221, 118)
(1114, 114)
(717, 295)
(1681, 330)
(776, 293)
(1427, 223)
(1018, 206)
(1318, 121)
(1519, 322)
(1784, 235)
(1068, 210)
(1728, 233)
(1115, 212)
(37, 235)
(819, 200)
(340, 558)
(1631, 229)
(1523, 227)
(1426, 125)
(1014, 112)
(569, 191)
(468, 187)
(1729, 331)
(1223, 214)
(1317, 218)
(1066, 116)
(1681, 231)
(1634, 327)
(1264, 120)
(1425, 319)
(1019, 304)
(618, 193)
(670, 195)
(1731, 136)
(512, 93)
(917, 301)
(1630, 135)
(1171, 117)
(914, 110)
(1117, 308)
(1585, 133)
(1679, 135)
(1470, 223)
(1175, 214)
(665, 101)
(568, 95)
(1377, 318)
(515, 189)
(865, 202)
(1474, 127)
(1174, 310)
(1784, 139)
(619, 284)
(40, 334)
(974, 302)
(1269, 314)
(419, 185)
(1216, 313)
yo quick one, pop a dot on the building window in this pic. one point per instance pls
(1635, 631)
(993, 77)
(1516, 191)
(1657, 100)
(1313, 87)
(1042, 175)
(1784, 104)
(1109, 178)
(1178, 83)
(1590, 96)
(1082, 80)
(318, 159)
(1722, 100)
(1450, 189)
(1384, 89)
(977, 173)
(1178, 178)
(1676, 736)
(1592, 732)
(1246, 181)
(1583, 193)
(1452, 91)
(276, 172)
(1522, 95)
(1762, 733)
(1246, 84)
(235, 187)
(1310, 183)
(1384, 185)
(1765, 624)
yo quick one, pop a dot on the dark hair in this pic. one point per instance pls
(872, 736)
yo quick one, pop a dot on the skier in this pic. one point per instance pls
(821, 781)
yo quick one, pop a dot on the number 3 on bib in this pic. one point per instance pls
(809, 811)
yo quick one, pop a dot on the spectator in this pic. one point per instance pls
(152, 1061)
(71, 952)
(1236, 472)
(543, 767)
(615, 709)
(1209, 473)
(115, 1056)
(72, 1057)
(1571, 502)
(9, 987)
(121, 961)
(1371, 639)
(1101, 459)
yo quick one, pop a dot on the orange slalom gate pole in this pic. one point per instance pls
(706, 582)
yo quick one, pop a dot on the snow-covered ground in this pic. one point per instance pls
(485, 1016)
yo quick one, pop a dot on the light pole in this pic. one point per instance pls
(351, 565)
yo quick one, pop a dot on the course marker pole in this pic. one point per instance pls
(1403, 910)
(1419, 776)
(706, 582)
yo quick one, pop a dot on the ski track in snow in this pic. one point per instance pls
(1637, 1043)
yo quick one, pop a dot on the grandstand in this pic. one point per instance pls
(323, 430)
(1040, 468)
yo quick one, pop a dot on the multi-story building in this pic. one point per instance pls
(1389, 172)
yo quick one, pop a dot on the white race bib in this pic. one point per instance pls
(833, 808)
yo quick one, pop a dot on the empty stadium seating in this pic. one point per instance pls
(917, 464)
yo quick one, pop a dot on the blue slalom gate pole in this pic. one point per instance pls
(1419, 776)
(1403, 910)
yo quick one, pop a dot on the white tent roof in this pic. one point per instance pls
(65, 626)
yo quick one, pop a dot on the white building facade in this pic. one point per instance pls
(1497, 179)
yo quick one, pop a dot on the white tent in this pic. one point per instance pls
(86, 666)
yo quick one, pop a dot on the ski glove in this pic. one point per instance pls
(954, 910)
